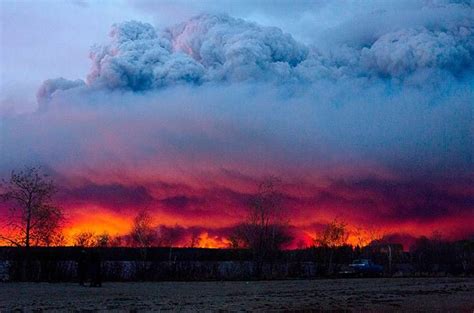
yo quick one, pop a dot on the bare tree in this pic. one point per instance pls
(85, 239)
(265, 230)
(103, 240)
(194, 241)
(34, 219)
(117, 241)
(143, 234)
(366, 236)
(236, 238)
(50, 236)
(334, 235)
(90, 239)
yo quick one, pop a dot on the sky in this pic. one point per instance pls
(363, 109)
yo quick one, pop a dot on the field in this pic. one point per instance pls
(337, 295)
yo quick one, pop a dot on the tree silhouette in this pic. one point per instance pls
(265, 230)
(103, 240)
(85, 239)
(334, 235)
(143, 235)
(34, 219)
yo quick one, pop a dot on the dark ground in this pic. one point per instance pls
(335, 295)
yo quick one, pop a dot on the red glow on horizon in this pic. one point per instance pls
(119, 224)
(203, 215)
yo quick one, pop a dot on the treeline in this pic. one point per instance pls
(426, 258)
(36, 220)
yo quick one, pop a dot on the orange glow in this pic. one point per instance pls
(97, 222)
(115, 224)
(215, 242)
(105, 221)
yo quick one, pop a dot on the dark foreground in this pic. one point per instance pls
(344, 295)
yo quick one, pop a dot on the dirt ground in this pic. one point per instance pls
(336, 295)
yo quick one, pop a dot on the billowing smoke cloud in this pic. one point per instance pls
(219, 48)
(50, 86)
(205, 49)
(184, 121)
(403, 52)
